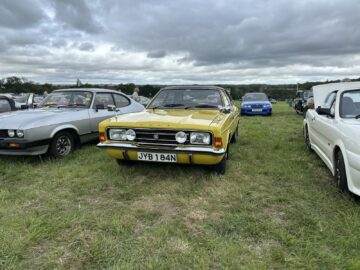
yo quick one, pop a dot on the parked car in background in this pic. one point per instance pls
(65, 119)
(301, 100)
(255, 104)
(37, 100)
(182, 124)
(6, 104)
(332, 130)
(273, 100)
(24, 101)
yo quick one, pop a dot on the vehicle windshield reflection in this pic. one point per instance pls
(187, 98)
(67, 99)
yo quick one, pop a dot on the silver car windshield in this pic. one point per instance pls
(187, 98)
(68, 99)
(350, 104)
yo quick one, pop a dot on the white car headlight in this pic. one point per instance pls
(180, 137)
(199, 138)
(20, 133)
(245, 106)
(11, 133)
(117, 134)
(130, 134)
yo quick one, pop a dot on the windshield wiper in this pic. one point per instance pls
(171, 105)
(202, 106)
(77, 105)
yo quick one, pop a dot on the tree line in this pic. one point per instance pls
(280, 92)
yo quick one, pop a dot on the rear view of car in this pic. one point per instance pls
(256, 104)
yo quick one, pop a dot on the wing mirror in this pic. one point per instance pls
(225, 110)
(323, 111)
(24, 107)
(99, 107)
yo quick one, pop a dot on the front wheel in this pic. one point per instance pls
(307, 139)
(340, 173)
(61, 145)
(221, 167)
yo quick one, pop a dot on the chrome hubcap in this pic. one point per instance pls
(63, 145)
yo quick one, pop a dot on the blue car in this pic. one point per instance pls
(256, 104)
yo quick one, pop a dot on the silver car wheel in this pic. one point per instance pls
(63, 145)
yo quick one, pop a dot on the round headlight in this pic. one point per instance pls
(130, 134)
(20, 133)
(180, 137)
(11, 133)
(117, 134)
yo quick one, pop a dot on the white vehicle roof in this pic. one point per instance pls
(321, 91)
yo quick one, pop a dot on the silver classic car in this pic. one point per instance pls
(63, 120)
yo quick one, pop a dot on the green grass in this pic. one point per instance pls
(277, 207)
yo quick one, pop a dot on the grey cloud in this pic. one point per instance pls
(17, 14)
(156, 54)
(76, 14)
(86, 46)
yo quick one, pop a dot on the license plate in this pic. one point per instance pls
(257, 110)
(156, 157)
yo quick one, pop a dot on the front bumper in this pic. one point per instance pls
(185, 155)
(249, 111)
(353, 173)
(23, 148)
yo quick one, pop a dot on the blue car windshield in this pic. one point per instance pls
(67, 99)
(255, 97)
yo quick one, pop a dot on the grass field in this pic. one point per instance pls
(277, 207)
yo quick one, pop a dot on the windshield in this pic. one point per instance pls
(22, 99)
(68, 99)
(255, 97)
(187, 98)
(308, 94)
(350, 104)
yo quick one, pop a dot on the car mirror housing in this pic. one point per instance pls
(24, 107)
(111, 108)
(225, 110)
(99, 107)
(323, 111)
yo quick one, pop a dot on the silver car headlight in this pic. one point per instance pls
(20, 133)
(180, 137)
(117, 134)
(11, 133)
(199, 138)
(130, 134)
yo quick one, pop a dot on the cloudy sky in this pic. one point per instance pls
(184, 41)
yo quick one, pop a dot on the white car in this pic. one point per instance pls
(332, 130)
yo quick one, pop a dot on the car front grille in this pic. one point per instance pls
(158, 136)
(4, 133)
(256, 106)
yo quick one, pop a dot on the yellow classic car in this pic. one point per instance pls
(182, 124)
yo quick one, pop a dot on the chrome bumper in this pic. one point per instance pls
(186, 150)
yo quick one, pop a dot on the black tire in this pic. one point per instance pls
(62, 144)
(122, 162)
(340, 173)
(307, 139)
(221, 167)
(234, 138)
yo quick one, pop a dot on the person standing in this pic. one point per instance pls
(135, 96)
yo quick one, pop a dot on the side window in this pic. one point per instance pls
(229, 97)
(104, 98)
(329, 100)
(121, 101)
(225, 99)
(4, 105)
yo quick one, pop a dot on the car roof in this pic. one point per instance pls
(322, 90)
(95, 90)
(195, 87)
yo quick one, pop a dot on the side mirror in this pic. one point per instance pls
(323, 111)
(225, 110)
(111, 108)
(99, 107)
(24, 107)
